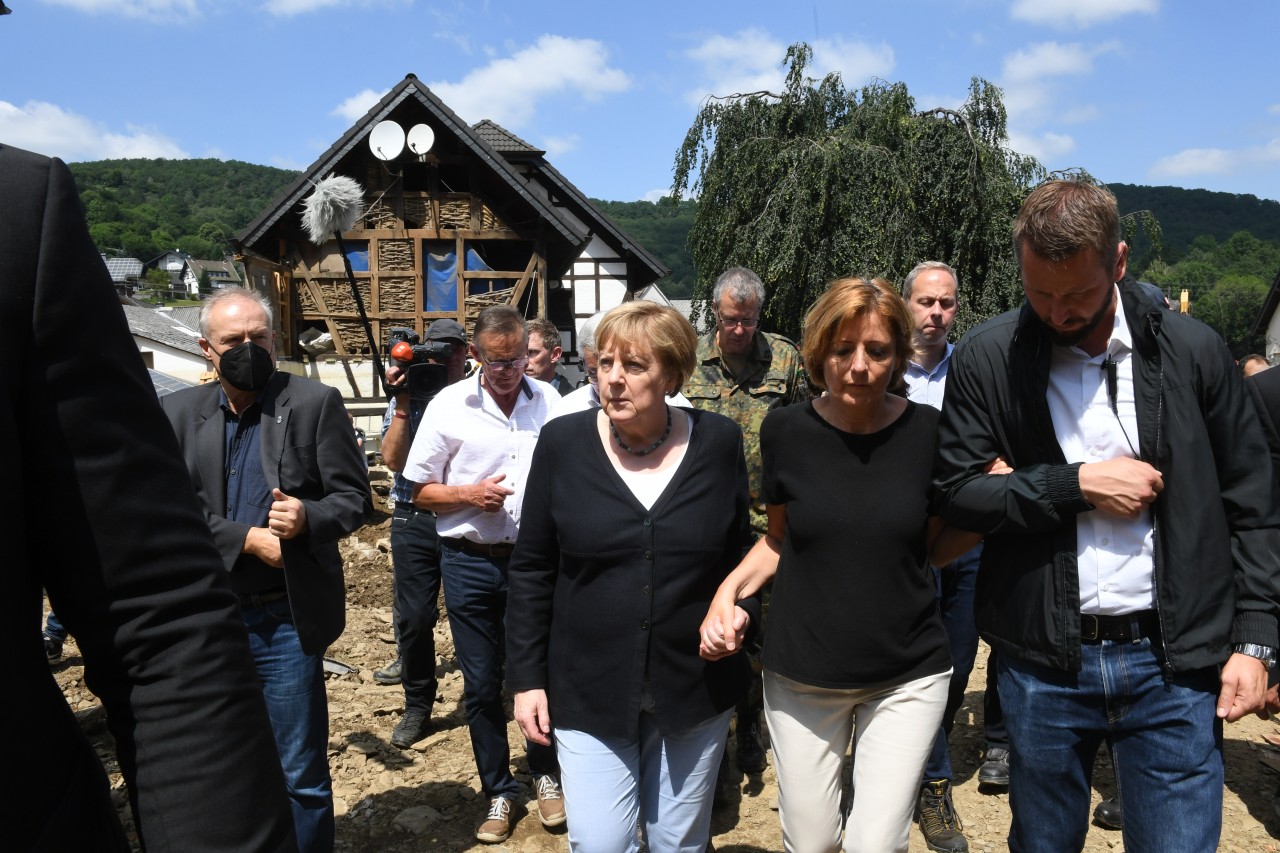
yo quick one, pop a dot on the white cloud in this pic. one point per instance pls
(159, 10)
(1216, 161)
(51, 130)
(557, 145)
(1274, 109)
(751, 61)
(1051, 59)
(655, 196)
(1032, 99)
(290, 8)
(1047, 147)
(357, 105)
(1078, 13)
(508, 89)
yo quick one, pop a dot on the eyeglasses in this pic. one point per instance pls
(747, 323)
(504, 366)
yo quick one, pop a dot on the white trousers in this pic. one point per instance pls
(893, 730)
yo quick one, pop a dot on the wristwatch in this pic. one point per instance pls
(1266, 654)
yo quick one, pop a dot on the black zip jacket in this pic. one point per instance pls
(1217, 526)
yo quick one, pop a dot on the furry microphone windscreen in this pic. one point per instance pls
(334, 206)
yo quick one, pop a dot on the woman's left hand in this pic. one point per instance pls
(532, 715)
(722, 632)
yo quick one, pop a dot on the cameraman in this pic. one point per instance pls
(415, 551)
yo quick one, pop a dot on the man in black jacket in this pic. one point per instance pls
(128, 563)
(1130, 577)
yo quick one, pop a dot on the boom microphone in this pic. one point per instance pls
(335, 206)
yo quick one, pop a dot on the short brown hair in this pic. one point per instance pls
(499, 320)
(546, 330)
(1061, 217)
(845, 299)
(662, 329)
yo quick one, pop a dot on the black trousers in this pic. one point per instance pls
(415, 553)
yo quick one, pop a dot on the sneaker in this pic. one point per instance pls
(995, 770)
(392, 673)
(52, 649)
(750, 753)
(939, 822)
(497, 824)
(1107, 814)
(413, 727)
(550, 801)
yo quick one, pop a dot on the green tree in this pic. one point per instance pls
(1230, 308)
(817, 182)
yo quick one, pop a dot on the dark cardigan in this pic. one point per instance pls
(605, 594)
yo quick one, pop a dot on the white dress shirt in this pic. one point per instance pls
(466, 438)
(1115, 556)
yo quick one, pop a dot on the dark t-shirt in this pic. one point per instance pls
(854, 601)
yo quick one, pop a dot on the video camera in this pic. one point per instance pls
(423, 365)
(404, 346)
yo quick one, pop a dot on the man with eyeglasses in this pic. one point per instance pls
(468, 463)
(743, 374)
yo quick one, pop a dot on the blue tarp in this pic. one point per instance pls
(442, 280)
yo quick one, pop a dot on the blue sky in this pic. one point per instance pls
(1137, 91)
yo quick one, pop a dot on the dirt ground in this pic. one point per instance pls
(427, 798)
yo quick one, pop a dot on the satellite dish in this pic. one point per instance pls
(421, 138)
(387, 140)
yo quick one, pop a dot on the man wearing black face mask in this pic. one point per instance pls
(281, 482)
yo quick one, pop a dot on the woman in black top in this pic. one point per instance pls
(855, 644)
(634, 514)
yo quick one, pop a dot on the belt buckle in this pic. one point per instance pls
(1087, 636)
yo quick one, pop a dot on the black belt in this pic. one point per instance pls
(408, 506)
(1119, 629)
(500, 550)
(257, 599)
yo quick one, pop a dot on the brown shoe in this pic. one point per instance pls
(497, 824)
(550, 801)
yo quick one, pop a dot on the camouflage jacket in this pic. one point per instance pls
(775, 377)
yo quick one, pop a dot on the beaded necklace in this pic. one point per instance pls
(662, 439)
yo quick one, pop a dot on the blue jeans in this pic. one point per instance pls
(475, 596)
(1167, 749)
(956, 585)
(54, 629)
(663, 782)
(293, 686)
(415, 555)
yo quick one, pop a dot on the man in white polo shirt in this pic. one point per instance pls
(469, 461)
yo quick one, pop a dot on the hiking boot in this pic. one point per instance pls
(413, 727)
(52, 649)
(1107, 814)
(497, 824)
(550, 801)
(939, 823)
(750, 753)
(392, 673)
(995, 770)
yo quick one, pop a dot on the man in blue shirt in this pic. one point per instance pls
(931, 291)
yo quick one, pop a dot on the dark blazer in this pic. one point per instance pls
(604, 593)
(1264, 388)
(100, 512)
(308, 453)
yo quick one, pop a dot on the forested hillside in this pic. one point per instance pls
(663, 229)
(1185, 215)
(141, 208)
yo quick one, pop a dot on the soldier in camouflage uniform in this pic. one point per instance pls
(743, 373)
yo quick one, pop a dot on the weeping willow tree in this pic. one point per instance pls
(818, 182)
